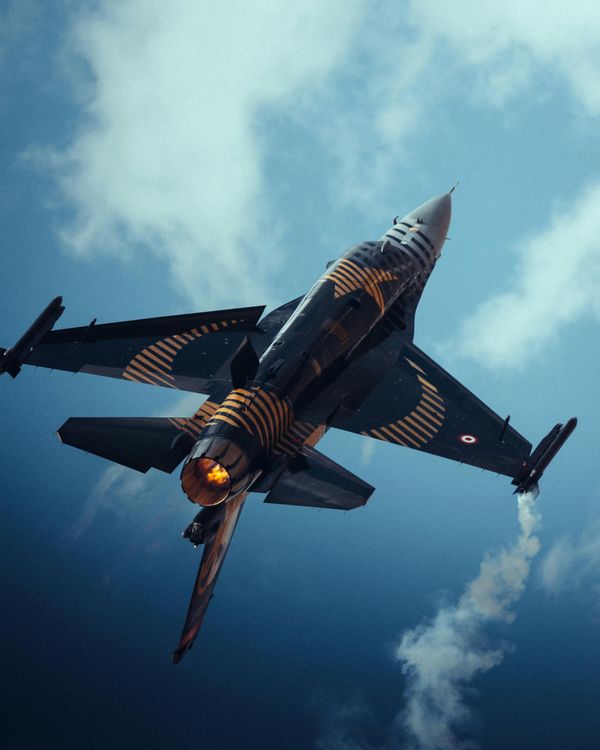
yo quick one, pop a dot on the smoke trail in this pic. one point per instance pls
(442, 657)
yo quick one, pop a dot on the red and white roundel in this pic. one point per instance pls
(468, 439)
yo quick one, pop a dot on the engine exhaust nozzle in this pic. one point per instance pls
(205, 481)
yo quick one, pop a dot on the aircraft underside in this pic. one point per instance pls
(340, 357)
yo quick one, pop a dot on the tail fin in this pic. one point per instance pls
(210, 567)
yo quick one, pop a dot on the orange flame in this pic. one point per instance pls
(205, 481)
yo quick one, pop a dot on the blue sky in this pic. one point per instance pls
(162, 158)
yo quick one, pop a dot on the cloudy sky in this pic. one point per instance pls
(171, 157)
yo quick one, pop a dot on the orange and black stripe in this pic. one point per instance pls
(154, 364)
(349, 276)
(261, 412)
(193, 426)
(422, 424)
(299, 434)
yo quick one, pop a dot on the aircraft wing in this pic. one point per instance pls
(210, 566)
(419, 405)
(184, 352)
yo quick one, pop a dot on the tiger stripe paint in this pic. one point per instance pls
(349, 277)
(154, 363)
(419, 427)
(152, 356)
(414, 365)
(423, 425)
(172, 342)
(434, 415)
(397, 427)
(378, 435)
(167, 349)
(424, 421)
(316, 366)
(297, 435)
(261, 412)
(437, 403)
(343, 278)
(387, 432)
(427, 384)
(237, 417)
(265, 408)
(194, 425)
(154, 366)
(161, 354)
(425, 415)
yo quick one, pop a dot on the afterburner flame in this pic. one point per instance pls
(205, 481)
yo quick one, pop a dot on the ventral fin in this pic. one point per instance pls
(244, 364)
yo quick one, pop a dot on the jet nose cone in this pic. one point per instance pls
(434, 213)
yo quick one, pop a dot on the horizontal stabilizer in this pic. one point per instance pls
(313, 480)
(139, 443)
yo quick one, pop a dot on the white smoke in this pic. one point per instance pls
(573, 563)
(442, 657)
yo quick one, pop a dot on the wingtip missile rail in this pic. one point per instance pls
(527, 479)
(12, 359)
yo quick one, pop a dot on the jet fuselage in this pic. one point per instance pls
(370, 284)
(341, 357)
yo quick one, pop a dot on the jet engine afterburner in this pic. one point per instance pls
(205, 481)
(216, 470)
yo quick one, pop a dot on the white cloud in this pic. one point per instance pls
(367, 451)
(556, 282)
(511, 45)
(368, 123)
(167, 158)
(169, 154)
(410, 63)
(19, 21)
(16, 20)
(572, 564)
(345, 726)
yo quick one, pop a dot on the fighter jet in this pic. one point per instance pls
(341, 356)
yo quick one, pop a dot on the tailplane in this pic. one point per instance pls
(311, 479)
(140, 443)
